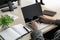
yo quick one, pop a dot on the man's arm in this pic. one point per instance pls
(48, 19)
(58, 22)
(36, 34)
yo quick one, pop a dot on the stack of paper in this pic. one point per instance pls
(13, 16)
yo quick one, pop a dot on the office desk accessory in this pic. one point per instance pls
(49, 13)
(14, 17)
(1, 38)
(14, 32)
(9, 4)
(5, 20)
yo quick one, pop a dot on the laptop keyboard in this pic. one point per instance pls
(42, 25)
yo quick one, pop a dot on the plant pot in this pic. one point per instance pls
(4, 28)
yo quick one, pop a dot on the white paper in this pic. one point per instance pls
(13, 16)
(9, 34)
(42, 25)
(19, 29)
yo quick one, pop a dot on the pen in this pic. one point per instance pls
(26, 29)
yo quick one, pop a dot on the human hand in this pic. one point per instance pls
(35, 25)
(47, 19)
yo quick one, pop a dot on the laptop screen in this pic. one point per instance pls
(31, 12)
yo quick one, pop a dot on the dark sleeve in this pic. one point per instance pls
(58, 22)
(37, 35)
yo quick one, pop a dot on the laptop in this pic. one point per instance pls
(32, 12)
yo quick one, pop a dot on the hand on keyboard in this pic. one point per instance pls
(35, 25)
(47, 19)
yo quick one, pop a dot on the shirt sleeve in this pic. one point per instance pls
(37, 35)
(58, 22)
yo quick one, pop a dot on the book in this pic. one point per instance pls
(14, 32)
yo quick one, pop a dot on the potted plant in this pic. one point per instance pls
(5, 20)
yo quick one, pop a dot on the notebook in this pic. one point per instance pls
(15, 32)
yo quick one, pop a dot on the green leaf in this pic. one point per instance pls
(5, 20)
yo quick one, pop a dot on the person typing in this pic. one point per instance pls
(37, 34)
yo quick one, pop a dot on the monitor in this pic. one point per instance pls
(4, 3)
